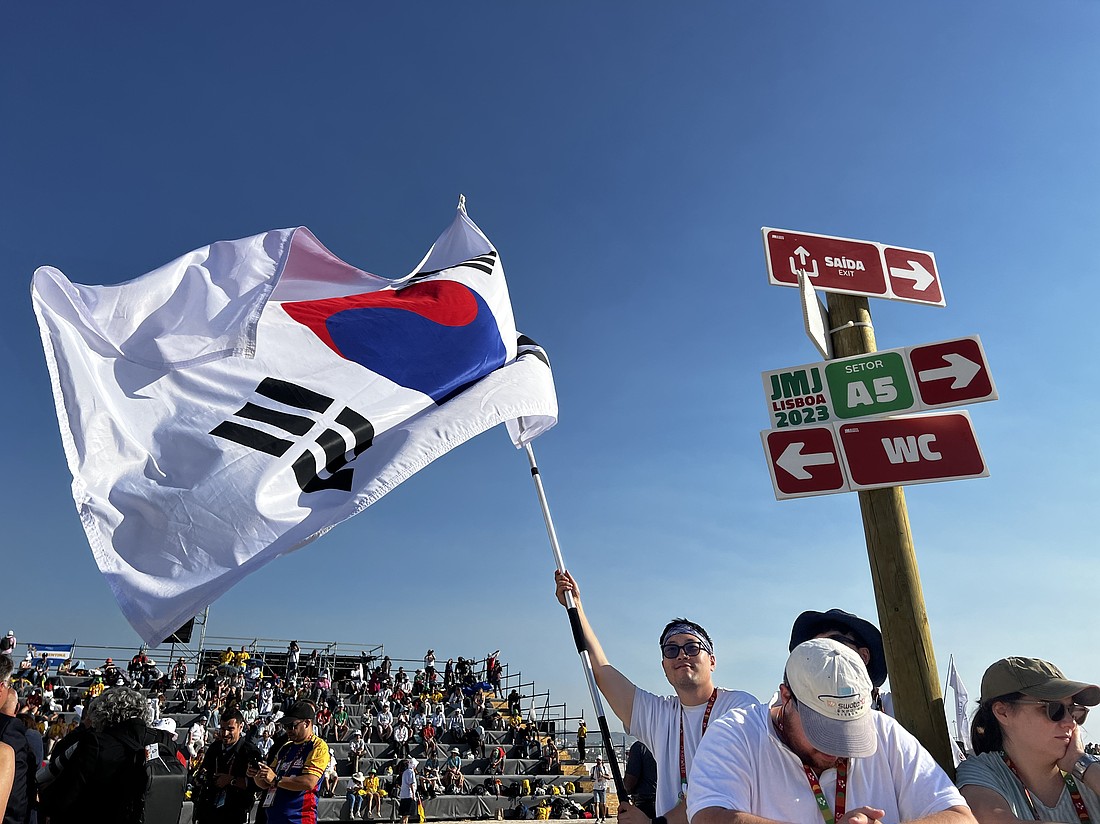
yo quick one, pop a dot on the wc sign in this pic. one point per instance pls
(911, 450)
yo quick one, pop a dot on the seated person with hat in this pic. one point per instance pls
(1030, 763)
(819, 752)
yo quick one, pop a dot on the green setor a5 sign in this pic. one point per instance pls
(891, 382)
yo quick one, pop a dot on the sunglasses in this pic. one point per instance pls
(1056, 710)
(690, 649)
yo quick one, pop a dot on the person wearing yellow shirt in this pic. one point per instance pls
(241, 658)
(372, 786)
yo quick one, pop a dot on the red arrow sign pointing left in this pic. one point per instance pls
(804, 461)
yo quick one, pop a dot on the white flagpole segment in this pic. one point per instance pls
(575, 625)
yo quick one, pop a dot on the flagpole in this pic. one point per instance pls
(578, 634)
(947, 683)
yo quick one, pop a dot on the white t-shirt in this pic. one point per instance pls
(656, 721)
(599, 776)
(742, 765)
(197, 735)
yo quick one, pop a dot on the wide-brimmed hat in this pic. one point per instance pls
(811, 624)
(358, 776)
(1034, 676)
(833, 690)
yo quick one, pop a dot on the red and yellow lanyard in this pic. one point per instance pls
(1071, 785)
(841, 791)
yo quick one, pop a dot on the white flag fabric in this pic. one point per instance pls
(242, 400)
(962, 698)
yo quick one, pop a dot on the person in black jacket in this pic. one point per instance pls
(227, 793)
(19, 809)
(104, 778)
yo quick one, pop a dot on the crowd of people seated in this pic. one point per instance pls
(443, 714)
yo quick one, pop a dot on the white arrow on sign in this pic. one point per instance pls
(920, 276)
(802, 254)
(960, 369)
(794, 462)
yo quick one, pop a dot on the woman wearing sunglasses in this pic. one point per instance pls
(1030, 762)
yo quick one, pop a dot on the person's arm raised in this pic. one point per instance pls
(616, 687)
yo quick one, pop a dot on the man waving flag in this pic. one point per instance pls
(242, 400)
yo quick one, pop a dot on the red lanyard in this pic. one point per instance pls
(1071, 785)
(683, 759)
(841, 791)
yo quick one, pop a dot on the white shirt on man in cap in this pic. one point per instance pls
(756, 765)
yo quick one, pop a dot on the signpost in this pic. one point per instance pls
(887, 382)
(830, 435)
(856, 267)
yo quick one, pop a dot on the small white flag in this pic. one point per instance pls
(962, 698)
(239, 402)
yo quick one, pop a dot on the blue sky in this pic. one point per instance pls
(622, 157)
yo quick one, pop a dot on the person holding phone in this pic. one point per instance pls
(227, 793)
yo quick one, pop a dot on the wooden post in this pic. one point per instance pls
(914, 684)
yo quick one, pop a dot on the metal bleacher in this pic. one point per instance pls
(551, 723)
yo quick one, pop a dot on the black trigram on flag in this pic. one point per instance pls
(526, 346)
(483, 263)
(331, 441)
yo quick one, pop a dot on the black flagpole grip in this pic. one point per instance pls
(575, 625)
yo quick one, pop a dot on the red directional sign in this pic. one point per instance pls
(910, 450)
(831, 263)
(913, 275)
(859, 267)
(951, 373)
(804, 461)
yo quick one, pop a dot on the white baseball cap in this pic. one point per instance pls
(833, 691)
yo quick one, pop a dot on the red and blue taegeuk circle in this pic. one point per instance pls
(436, 337)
